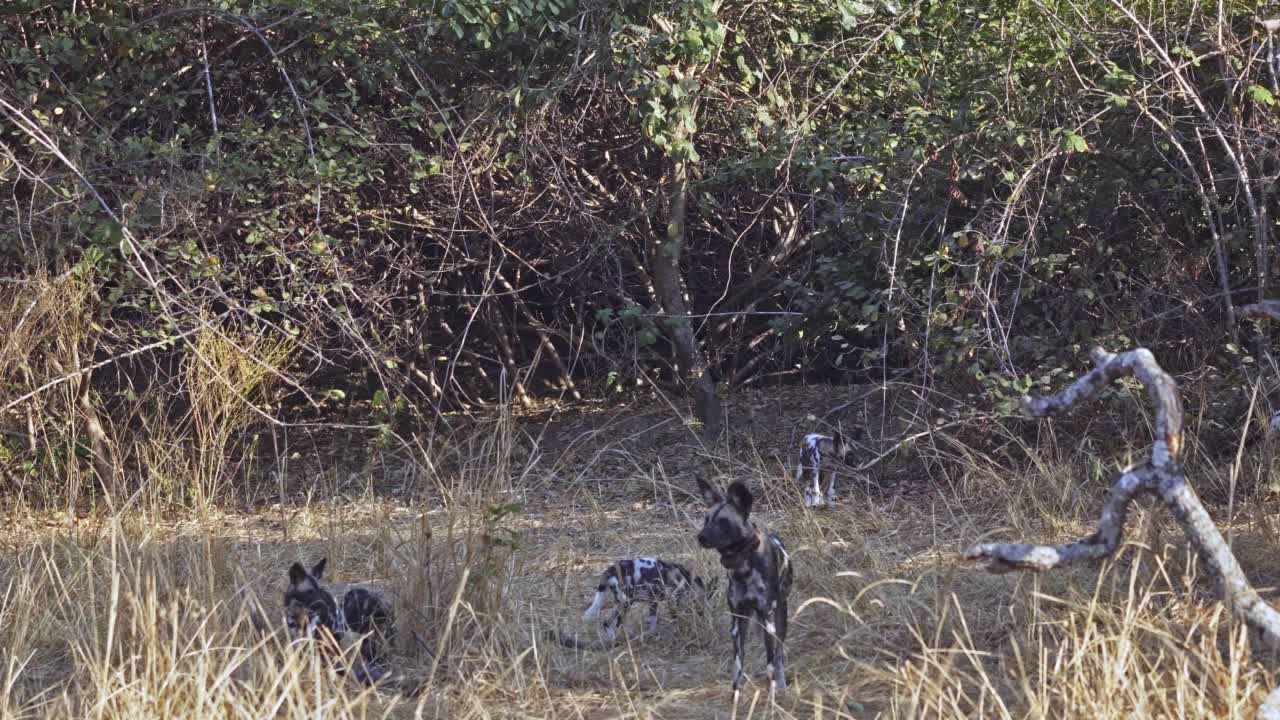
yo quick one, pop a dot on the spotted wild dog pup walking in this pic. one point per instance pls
(816, 449)
(760, 576)
(642, 579)
(313, 612)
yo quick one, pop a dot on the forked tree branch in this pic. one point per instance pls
(1141, 364)
(1162, 475)
(1006, 557)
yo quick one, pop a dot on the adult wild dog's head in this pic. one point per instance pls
(308, 606)
(725, 525)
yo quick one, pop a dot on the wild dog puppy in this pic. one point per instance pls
(816, 449)
(760, 576)
(642, 579)
(364, 614)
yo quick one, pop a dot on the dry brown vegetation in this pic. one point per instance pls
(288, 280)
(157, 611)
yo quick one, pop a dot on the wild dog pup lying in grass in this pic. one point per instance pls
(365, 614)
(640, 579)
(760, 577)
(815, 449)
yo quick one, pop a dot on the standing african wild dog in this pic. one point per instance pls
(642, 579)
(312, 612)
(759, 572)
(814, 450)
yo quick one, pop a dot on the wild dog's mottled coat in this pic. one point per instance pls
(313, 612)
(760, 576)
(815, 449)
(641, 579)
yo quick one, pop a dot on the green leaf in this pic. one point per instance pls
(1076, 143)
(1259, 94)
(851, 11)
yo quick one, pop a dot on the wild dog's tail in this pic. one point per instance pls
(595, 604)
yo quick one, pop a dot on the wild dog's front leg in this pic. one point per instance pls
(619, 615)
(775, 627)
(738, 626)
(810, 494)
(765, 619)
(830, 494)
(651, 622)
(813, 495)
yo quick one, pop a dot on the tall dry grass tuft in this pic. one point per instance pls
(226, 374)
(456, 568)
(122, 624)
(53, 443)
(60, 445)
(1144, 645)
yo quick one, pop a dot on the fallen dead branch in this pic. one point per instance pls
(1163, 476)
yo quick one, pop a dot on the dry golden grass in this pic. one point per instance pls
(146, 615)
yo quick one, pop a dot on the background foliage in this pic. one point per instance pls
(416, 198)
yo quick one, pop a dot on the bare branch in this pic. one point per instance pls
(1265, 309)
(1161, 388)
(101, 363)
(1005, 557)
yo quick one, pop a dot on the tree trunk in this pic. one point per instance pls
(664, 263)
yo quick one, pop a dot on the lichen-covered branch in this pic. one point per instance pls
(1163, 475)
(1161, 388)
(1229, 579)
(1004, 557)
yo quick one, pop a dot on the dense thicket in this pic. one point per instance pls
(420, 196)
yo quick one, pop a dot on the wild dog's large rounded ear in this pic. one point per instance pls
(297, 573)
(740, 496)
(710, 495)
(318, 570)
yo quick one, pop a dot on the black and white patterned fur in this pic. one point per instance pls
(642, 579)
(816, 449)
(760, 576)
(364, 615)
